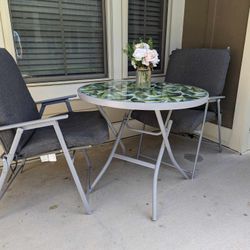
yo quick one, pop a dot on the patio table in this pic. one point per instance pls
(160, 96)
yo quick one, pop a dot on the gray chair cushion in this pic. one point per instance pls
(16, 103)
(204, 68)
(80, 129)
(184, 121)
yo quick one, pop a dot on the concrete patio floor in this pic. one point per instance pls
(42, 209)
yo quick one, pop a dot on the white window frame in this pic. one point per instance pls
(117, 37)
(167, 14)
(8, 43)
(173, 33)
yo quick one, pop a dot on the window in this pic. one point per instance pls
(147, 18)
(59, 39)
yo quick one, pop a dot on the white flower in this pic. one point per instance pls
(142, 46)
(139, 54)
(144, 55)
(151, 57)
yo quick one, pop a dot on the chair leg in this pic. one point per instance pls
(68, 105)
(86, 157)
(5, 178)
(199, 142)
(42, 110)
(197, 155)
(219, 125)
(72, 167)
(23, 163)
(73, 154)
(8, 176)
(140, 143)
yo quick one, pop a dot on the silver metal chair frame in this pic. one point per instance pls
(213, 99)
(63, 99)
(9, 172)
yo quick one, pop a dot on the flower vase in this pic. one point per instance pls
(143, 78)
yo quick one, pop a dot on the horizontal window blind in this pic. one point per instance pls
(146, 20)
(59, 39)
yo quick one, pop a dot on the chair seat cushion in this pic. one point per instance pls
(184, 121)
(80, 129)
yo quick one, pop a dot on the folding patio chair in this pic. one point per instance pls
(24, 134)
(204, 68)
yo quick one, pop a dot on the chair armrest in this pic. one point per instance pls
(215, 98)
(35, 123)
(56, 100)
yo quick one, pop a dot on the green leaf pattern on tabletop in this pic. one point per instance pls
(158, 92)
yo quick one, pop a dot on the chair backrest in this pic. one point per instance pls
(16, 103)
(204, 68)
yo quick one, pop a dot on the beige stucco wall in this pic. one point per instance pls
(241, 135)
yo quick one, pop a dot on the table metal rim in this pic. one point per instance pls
(143, 105)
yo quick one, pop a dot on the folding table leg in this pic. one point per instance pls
(117, 141)
(165, 144)
(113, 130)
(166, 141)
(156, 173)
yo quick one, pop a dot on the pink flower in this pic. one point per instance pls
(151, 57)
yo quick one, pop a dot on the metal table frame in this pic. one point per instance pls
(165, 128)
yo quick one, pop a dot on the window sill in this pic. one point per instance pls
(37, 84)
(60, 83)
(154, 76)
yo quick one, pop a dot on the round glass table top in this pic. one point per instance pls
(160, 95)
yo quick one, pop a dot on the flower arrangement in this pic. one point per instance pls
(143, 58)
(142, 54)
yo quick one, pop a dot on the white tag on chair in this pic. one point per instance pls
(48, 158)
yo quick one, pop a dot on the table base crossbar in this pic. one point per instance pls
(133, 160)
(168, 164)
